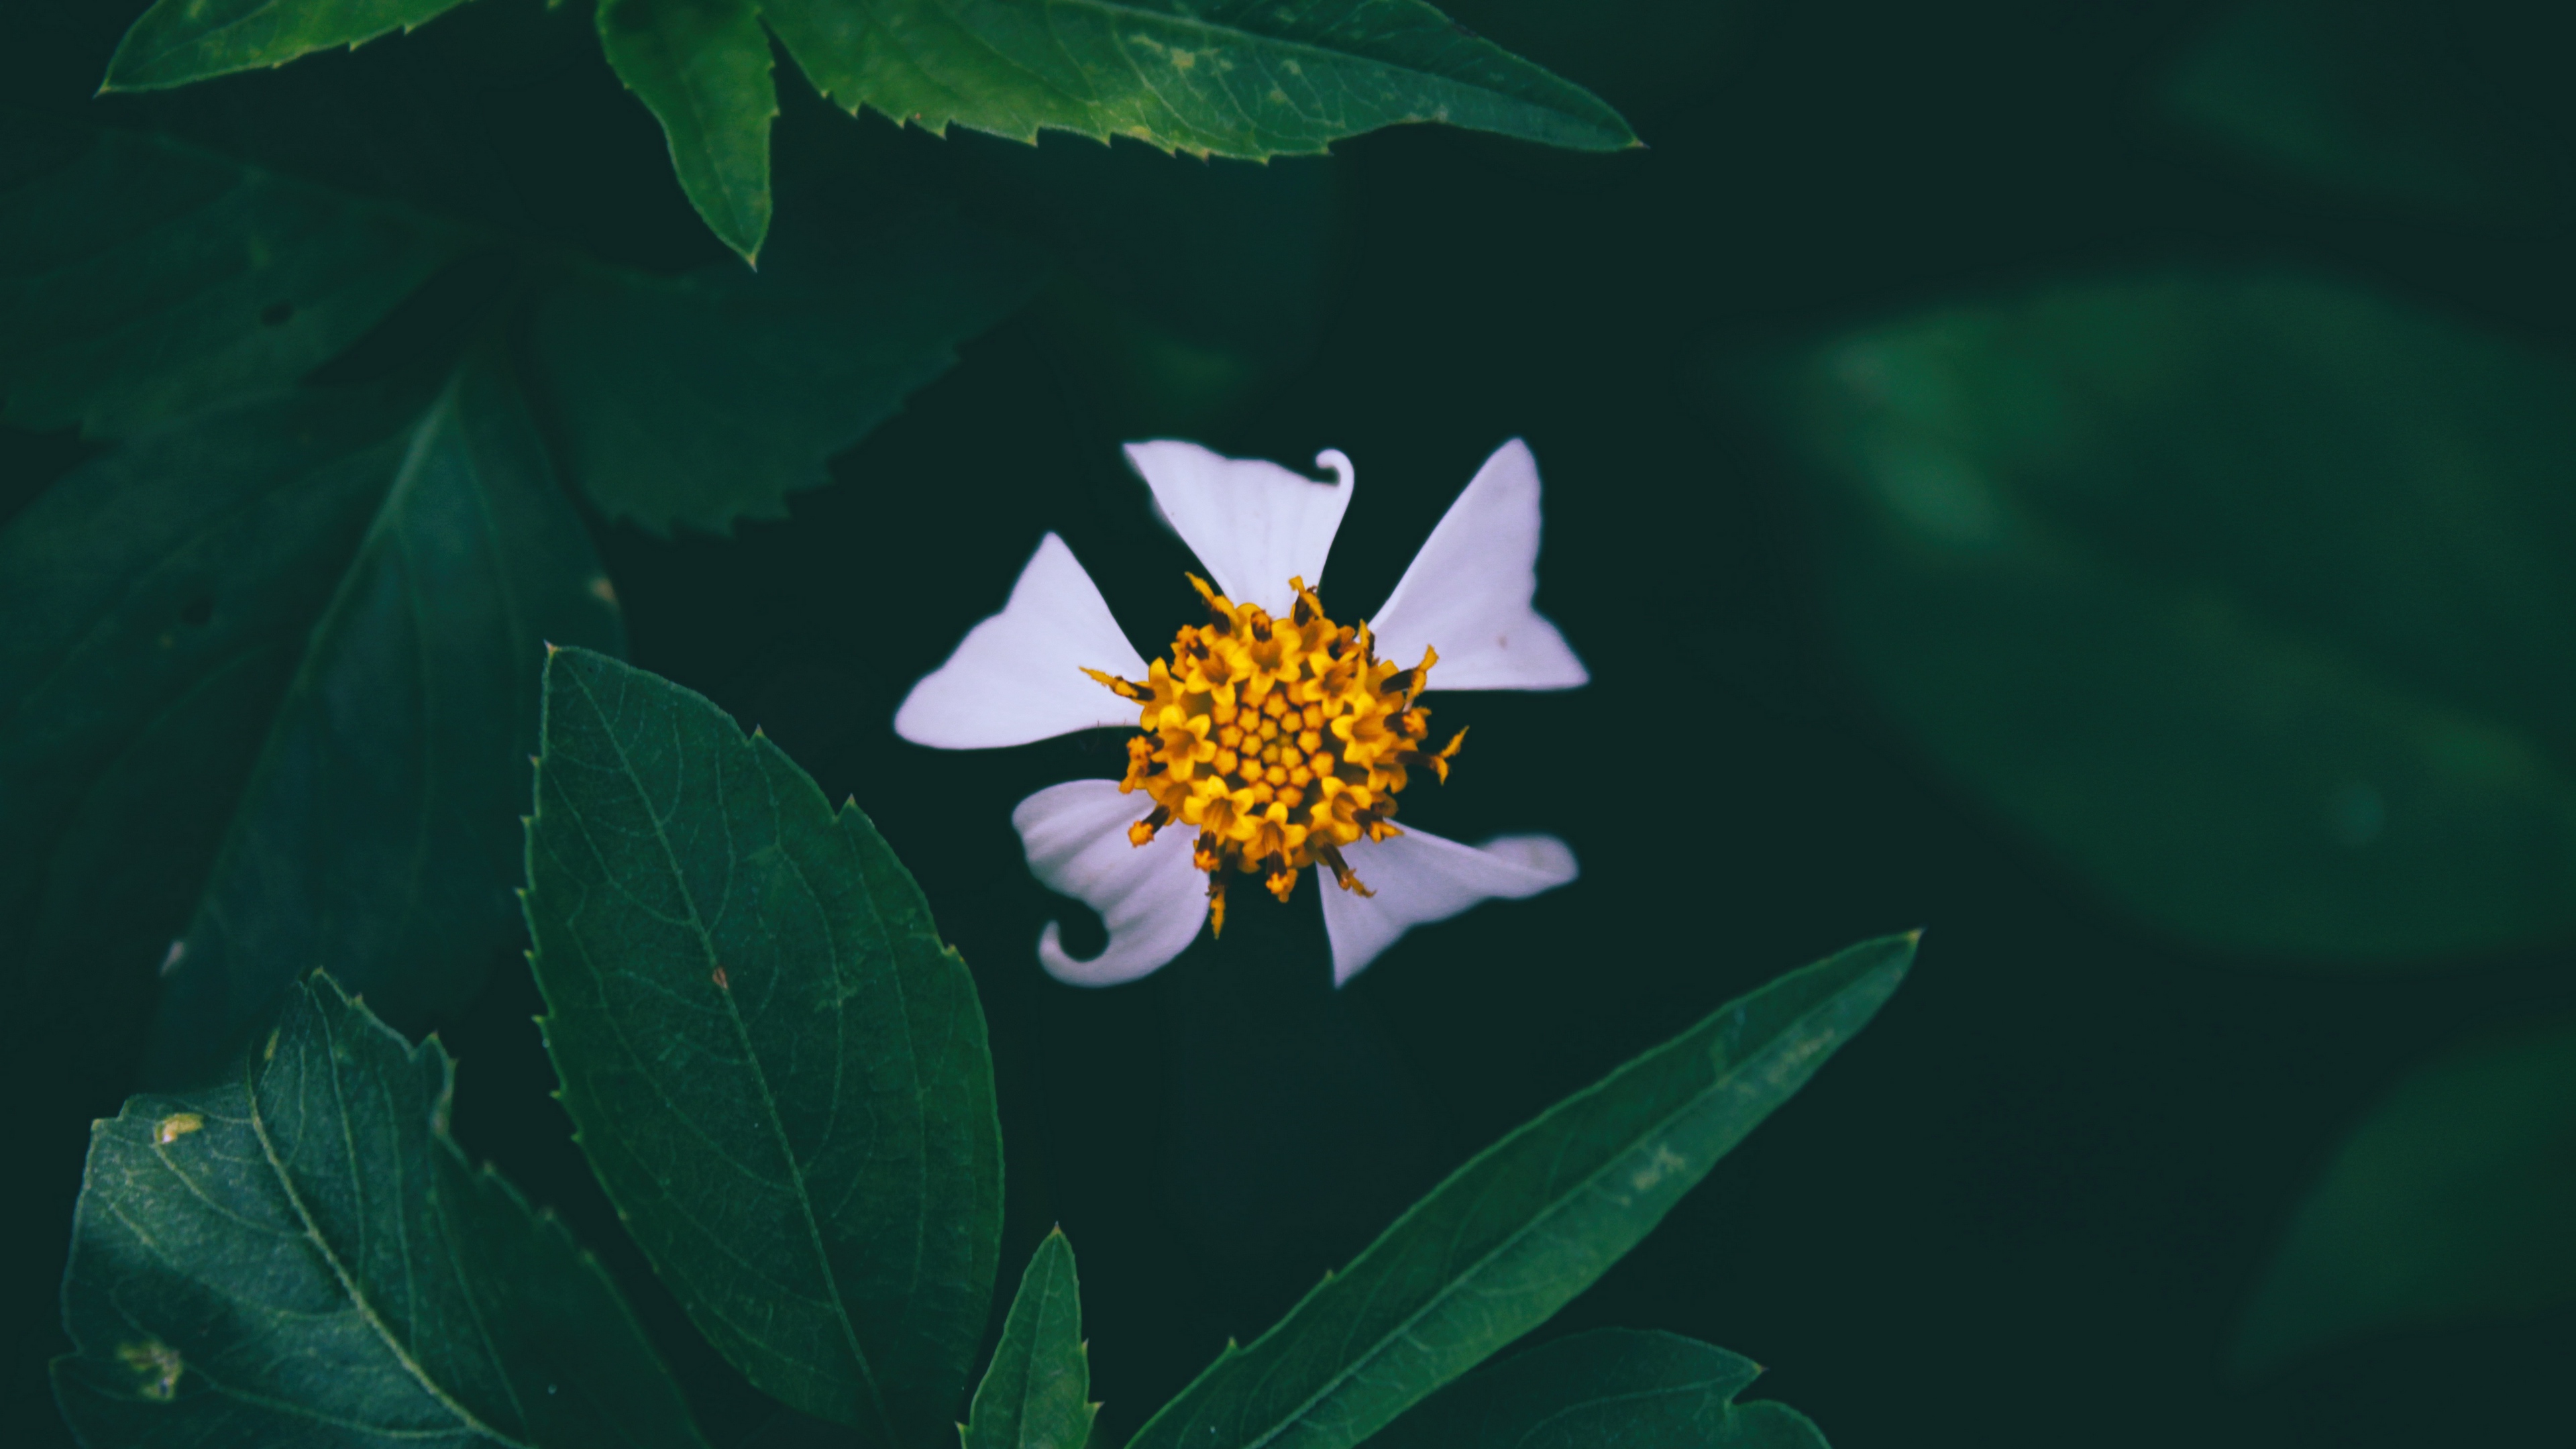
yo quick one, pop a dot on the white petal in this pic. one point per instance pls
(1468, 592)
(1253, 523)
(1017, 676)
(1422, 878)
(1151, 897)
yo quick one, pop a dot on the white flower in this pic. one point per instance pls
(1271, 738)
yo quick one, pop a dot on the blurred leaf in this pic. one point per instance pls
(778, 1071)
(1516, 1233)
(141, 279)
(2451, 1202)
(710, 397)
(302, 1255)
(2445, 104)
(1610, 1387)
(270, 685)
(2248, 595)
(702, 68)
(1249, 78)
(178, 41)
(1037, 1392)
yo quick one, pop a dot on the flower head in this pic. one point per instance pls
(1270, 738)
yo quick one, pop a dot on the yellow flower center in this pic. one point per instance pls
(1278, 740)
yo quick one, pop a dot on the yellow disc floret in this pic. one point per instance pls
(1278, 740)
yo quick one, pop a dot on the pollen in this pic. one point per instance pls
(1277, 741)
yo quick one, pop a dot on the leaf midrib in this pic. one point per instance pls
(1333, 1385)
(759, 1068)
(465, 1417)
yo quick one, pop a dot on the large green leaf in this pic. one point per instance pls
(2454, 104)
(303, 1256)
(1036, 1393)
(2247, 594)
(2451, 1202)
(710, 397)
(1513, 1235)
(702, 68)
(1247, 78)
(178, 41)
(1607, 1389)
(778, 1071)
(267, 697)
(140, 279)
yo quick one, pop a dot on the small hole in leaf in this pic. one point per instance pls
(277, 314)
(198, 611)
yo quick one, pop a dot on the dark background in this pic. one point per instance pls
(2025, 1208)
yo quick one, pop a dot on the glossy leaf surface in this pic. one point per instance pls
(2449, 1203)
(140, 279)
(711, 397)
(1519, 1231)
(2246, 594)
(1037, 1392)
(288, 654)
(1608, 1389)
(178, 41)
(778, 1071)
(1247, 78)
(302, 1256)
(702, 68)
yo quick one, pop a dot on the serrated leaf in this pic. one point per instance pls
(1519, 1231)
(302, 1255)
(269, 688)
(141, 279)
(178, 41)
(2448, 1204)
(1036, 1393)
(706, 398)
(702, 68)
(1248, 78)
(1612, 1388)
(778, 1071)
(2246, 594)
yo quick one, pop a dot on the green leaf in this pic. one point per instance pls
(2448, 1204)
(702, 68)
(302, 1255)
(2449, 105)
(1516, 1233)
(1249, 78)
(2246, 594)
(778, 1071)
(711, 397)
(178, 41)
(1610, 1387)
(140, 279)
(1036, 1393)
(269, 687)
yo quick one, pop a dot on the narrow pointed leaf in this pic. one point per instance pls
(267, 697)
(2243, 592)
(178, 41)
(1249, 78)
(302, 1256)
(702, 68)
(2449, 1204)
(141, 279)
(1528, 1224)
(702, 399)
(1036, 1393)
(778, 1071)
(1613, 1388)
